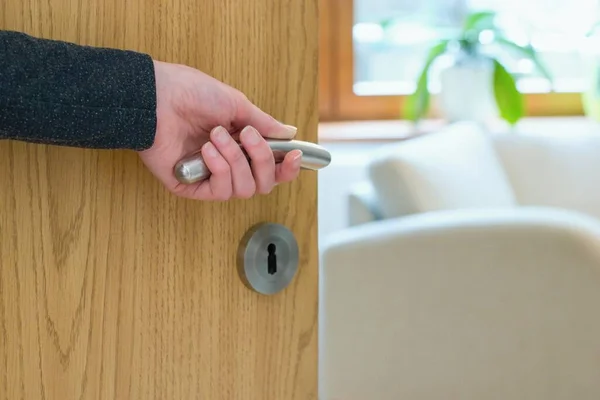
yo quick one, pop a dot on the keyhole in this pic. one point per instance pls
(272, 259)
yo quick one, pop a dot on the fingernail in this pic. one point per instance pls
(210, 149)
(297, 158)
(291, 129)
(220, 135)
(251, 134)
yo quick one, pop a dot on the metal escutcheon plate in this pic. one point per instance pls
(268, 258)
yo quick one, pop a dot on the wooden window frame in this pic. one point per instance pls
(338, 102)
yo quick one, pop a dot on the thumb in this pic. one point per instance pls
(249, 114)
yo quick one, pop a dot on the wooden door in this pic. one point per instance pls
(111, 287)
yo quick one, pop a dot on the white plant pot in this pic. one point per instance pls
(467, 91)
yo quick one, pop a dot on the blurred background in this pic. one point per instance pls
(388, 59)
(459, 221)
(373, 52)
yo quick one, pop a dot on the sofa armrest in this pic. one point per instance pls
(362, 204)
(462, 302)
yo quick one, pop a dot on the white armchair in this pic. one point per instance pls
(472, 271)
(464, 167)
(465, 305)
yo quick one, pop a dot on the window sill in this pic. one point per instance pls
(396, 130)
(376, 130)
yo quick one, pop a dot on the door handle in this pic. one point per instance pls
(314, 157)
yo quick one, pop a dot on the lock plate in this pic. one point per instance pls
(268, 258)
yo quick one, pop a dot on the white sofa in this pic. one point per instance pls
(464, 167)
(472, 271)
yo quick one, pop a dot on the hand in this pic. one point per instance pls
(197, 111)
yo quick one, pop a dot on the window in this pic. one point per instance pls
(375, 49)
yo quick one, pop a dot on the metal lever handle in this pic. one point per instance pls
(314, 157)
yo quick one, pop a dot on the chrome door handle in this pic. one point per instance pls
(314, 157)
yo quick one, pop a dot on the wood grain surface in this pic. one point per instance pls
(112, 288)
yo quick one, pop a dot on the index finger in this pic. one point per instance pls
(248, 113)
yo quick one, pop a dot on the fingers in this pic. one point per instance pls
(289, 169)
(235, 174)
(219, 186)
(248, 114)
(241, 175)
(261, 158)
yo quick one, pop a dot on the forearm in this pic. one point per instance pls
(59, 93)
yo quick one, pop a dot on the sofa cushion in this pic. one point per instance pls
(557, 170)
(455, 168)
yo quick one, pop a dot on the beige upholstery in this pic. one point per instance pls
(464, 167)
(477, 276)
(466, 305)
(453, 169)
(559, 171)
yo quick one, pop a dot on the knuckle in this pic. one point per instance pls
(245, 196)
(238, 102)
(223, 169)
(222, 195)
(238, 157)
(265, 189)
(241, 97)
(263, 155)
(177, 190)
(284, 178)
(247, 192)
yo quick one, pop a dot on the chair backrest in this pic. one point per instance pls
(559, 170)
(443, 309)
(455, 168)
(463, 166)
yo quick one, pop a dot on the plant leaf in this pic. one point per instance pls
(508, 98)
(416, 105)
(479, 21)
(593, 29)
(528, 52)
(386, 23)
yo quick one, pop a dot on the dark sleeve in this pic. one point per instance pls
(60, 93)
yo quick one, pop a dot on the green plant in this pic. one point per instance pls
(509, 100)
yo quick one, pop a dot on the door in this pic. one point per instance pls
(111, 287)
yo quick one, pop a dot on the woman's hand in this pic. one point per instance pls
(197, 111)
